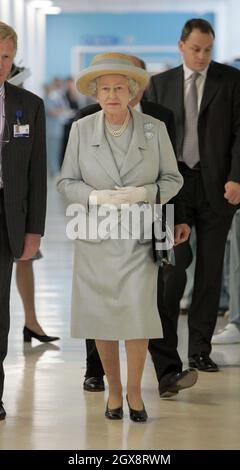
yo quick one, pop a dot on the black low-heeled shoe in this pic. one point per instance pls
(2, 411)
(29, 334)
(139, 416)
(116, 413)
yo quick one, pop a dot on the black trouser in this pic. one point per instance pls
(6, 262)
(211, 232)
(163, 351)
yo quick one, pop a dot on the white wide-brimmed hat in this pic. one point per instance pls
(110, 63)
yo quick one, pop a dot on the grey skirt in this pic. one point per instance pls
(114, 293)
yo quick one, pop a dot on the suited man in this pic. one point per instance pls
(22, 180)
(204, 97)
(167, 363)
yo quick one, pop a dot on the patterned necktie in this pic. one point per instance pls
(190, 153)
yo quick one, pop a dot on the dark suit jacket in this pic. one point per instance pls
(158, 112)
(218, 125)
(24, 168)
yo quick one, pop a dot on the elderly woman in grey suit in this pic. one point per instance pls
(116, 158)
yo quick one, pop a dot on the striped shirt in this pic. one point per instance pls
(2, 123)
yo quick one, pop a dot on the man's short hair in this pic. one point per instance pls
(196, 23)
(7, 32)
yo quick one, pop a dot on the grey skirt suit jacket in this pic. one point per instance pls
(114, 291)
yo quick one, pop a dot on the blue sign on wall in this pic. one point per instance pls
(65, 31)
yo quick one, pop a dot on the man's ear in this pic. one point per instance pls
(181, 45)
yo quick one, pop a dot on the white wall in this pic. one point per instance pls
(30, 26)
(232, 37)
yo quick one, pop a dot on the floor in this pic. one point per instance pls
(47, 407)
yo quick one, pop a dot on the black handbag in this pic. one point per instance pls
(162, 235)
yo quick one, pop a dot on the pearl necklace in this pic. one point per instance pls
(120, 131)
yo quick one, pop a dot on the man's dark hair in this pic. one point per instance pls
(196, 23)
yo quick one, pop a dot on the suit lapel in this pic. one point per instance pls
(138, 142)
(176, 90)
(11, 105)
(177, 93)
(102, 151)
(210, 88)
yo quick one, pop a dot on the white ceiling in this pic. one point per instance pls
(135, 5)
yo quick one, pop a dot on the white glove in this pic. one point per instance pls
(118, 196)
(132, 194)
(102, 196)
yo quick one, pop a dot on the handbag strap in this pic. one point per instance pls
(158, 201)
(161, 211)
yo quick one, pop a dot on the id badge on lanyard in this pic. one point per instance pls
(20, 130)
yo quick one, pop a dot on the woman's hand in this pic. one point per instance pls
(132, 194)
(102, 196)
(118, 196)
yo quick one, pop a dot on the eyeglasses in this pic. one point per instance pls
(5, 137)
